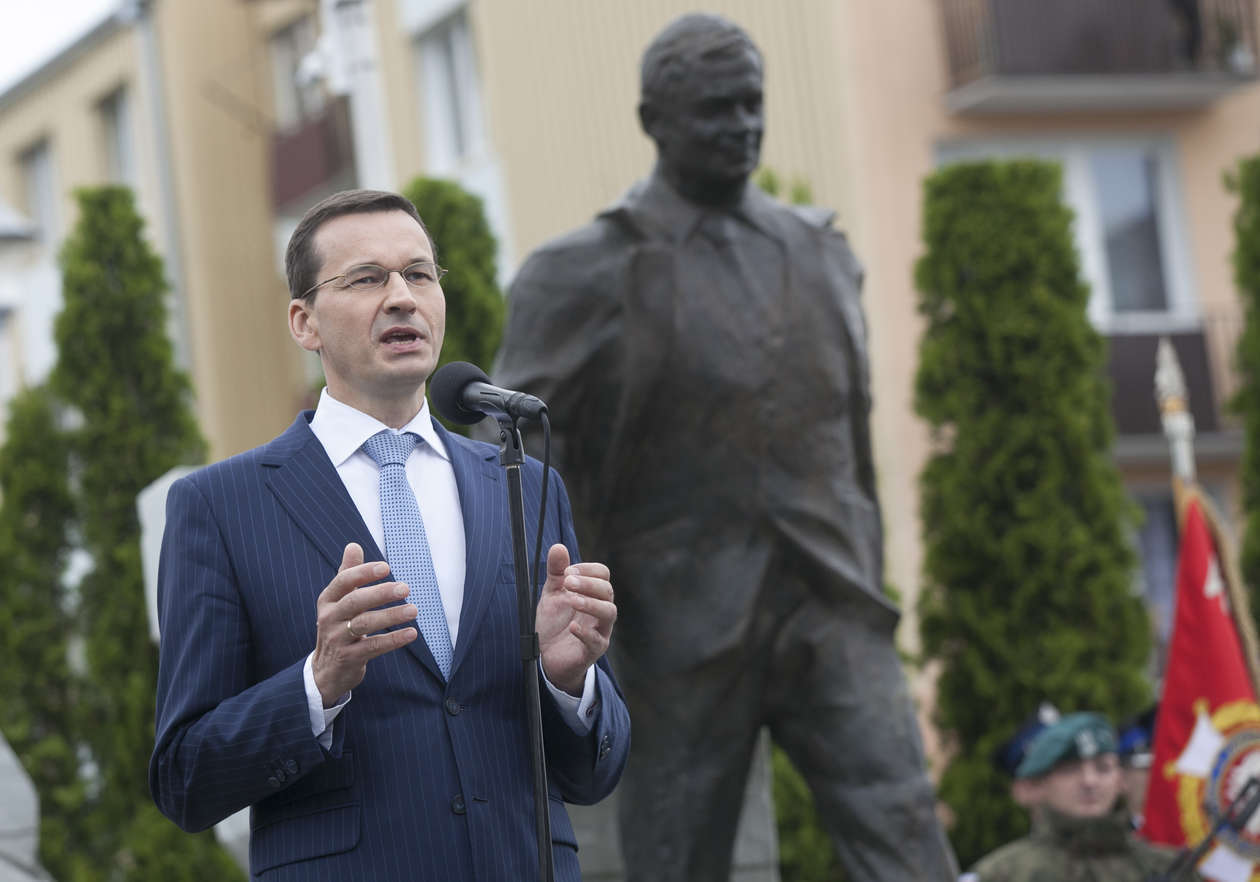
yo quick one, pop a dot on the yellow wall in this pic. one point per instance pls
(217, 79)
(561, 87)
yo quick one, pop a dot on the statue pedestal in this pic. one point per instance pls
(756, 842)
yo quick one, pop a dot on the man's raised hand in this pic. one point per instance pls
(575, 618)
(346, 616)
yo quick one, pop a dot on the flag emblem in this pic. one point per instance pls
(1222, 754)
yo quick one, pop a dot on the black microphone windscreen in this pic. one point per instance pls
(446, 387)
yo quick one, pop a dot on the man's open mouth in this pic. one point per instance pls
(400, 336)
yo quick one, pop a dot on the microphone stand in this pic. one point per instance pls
(512, 457)
(1235, 817)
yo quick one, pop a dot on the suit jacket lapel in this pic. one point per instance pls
(482, 499)
(306, 484)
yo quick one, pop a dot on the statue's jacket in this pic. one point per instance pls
(695, 422)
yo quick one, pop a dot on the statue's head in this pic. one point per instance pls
(700, 101)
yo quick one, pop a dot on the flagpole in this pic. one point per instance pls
(1178, 423)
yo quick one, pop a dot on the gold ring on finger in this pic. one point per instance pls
(353, 633)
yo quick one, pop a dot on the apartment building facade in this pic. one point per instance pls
(1146, 104)
(165, 98)
(230, 118)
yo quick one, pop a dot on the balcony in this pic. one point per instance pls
(1206, 356)
(317, 155)
(1034, 56)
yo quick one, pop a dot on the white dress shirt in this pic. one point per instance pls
(341, 430)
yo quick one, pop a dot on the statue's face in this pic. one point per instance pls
(710, 129)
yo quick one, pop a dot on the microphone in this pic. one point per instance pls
(462, 393)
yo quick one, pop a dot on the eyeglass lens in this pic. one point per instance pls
(368, 276)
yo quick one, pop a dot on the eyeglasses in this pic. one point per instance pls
(369, 276)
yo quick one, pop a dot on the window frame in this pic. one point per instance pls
(1080, 194)
(38, 174)
(114, 114)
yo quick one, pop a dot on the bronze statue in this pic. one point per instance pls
(703, 352)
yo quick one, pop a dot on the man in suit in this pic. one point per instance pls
(376, 728)
(703, 350)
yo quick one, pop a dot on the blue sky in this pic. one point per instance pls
(34, 30)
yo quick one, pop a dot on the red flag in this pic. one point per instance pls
(1207, 735)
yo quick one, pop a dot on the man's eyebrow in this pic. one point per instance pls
(364, 261)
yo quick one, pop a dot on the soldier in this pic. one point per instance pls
(1080, 819)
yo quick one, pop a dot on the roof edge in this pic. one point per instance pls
(112, 23)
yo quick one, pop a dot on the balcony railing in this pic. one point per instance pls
(1010, 56)
(1206, 356)
(316, 155)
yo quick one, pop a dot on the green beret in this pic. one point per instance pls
(1075, 736)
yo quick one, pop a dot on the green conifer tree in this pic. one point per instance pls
(116, 369)
(474, 304)
(1028, 568)
(1245, 181)
(38, 686)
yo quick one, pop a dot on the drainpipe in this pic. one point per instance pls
(353, 69)
(140, 14)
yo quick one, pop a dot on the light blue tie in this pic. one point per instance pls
(406, 544)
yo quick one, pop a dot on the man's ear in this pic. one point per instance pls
(303, 325)
(1026, 791)
(649, 118)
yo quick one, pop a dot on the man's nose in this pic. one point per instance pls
(749, 117)
(398, 294)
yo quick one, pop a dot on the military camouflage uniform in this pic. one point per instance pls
(1063, 849)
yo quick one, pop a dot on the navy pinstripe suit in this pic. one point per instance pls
(425, 780)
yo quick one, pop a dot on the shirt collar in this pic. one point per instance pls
(342, 429)
(667, 211)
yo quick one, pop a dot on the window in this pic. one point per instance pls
(1157, 556)
(1125, 181)
(452, 95)
(458, 145)
(296, 99)
(39, 190)
(115, 117)
(1128, 230)
(1158, 546)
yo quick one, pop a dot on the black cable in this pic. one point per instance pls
(542, 501)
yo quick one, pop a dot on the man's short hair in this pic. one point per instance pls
(686, 41)
(301, 262)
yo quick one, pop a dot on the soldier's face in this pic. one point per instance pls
(1083, 788)
(711, 127)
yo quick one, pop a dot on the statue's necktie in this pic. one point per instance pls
(406, 544)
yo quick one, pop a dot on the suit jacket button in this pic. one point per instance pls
(274, 782)
(457, 804)
(291, 766)
(453, 707)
